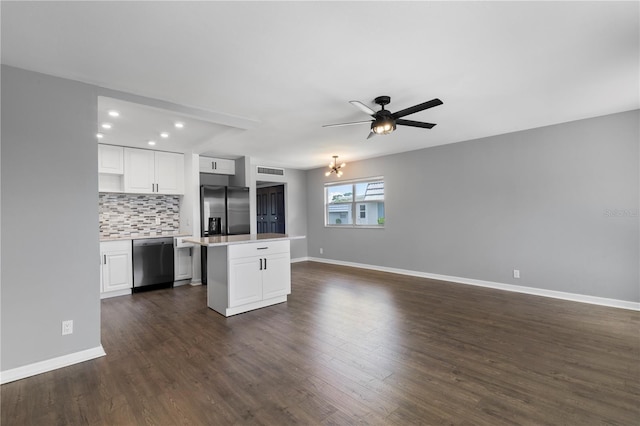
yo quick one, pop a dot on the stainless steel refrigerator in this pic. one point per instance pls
(224, 210)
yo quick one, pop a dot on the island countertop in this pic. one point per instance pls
(227, 240)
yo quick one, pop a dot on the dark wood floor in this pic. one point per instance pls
(350, 346)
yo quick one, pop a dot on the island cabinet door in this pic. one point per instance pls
(245, 281)
(276, 275)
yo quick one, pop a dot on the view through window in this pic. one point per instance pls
(355, 203)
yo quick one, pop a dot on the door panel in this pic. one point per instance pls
(169, 173)
(276, 277)
(139, 170)
(116, 271)
(270, 202)
(245, 281)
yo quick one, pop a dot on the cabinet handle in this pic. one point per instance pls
(261, 264)
(105, 259)
(262, 248)
(213, 165)
(265, 263)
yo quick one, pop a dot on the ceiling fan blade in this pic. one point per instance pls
(420, 107)
(362, 107)
(411, 123)
(346, 124)
(371, 134)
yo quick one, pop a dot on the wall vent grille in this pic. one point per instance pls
(270, 171)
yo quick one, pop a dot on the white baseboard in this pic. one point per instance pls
(182, 282)
(574, 297)
(300, 259)
(108, 294)
(50, 364)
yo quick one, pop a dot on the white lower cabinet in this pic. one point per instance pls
(182, 259)
(249, 276)
(182, 262)
(245, 281)
(276, 277)
(116, 273)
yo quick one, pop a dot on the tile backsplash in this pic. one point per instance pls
(128, 215)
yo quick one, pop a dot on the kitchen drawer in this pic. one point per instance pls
(257, 249)
(179, 242)
(115, 245)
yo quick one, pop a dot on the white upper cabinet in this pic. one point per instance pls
(139, 171)
(153, 172)
(217, 166)
(110, 159)
(169, 177)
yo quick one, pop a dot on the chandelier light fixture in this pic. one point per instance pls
(335, 168)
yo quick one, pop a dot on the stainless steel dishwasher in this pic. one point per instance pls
(152, 263)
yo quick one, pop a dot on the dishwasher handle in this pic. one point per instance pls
(153, 242)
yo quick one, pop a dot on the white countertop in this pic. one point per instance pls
(139, 237)
(227, 240)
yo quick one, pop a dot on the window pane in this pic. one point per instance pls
(339, 194)
(339, 214)
(355, 204)
(370, 191)
(370, 213)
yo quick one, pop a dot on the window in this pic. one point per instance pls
(355, 204)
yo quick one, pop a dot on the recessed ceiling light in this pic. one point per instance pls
(99, 135)
(179, 125)
(114, 113)
(151, 143)
(106, 125)
(164, 135)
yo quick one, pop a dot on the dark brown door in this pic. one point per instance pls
(270, 209)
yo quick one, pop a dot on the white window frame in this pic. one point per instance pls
(355, 212)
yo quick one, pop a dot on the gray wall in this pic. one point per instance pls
(559, 203)
(50, 259)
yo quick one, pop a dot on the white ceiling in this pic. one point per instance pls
(137, 124)
(293, 66)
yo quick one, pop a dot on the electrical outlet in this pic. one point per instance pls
(516, 273)
(67, 327)
(321, 250)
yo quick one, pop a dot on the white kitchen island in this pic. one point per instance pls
(246, 272)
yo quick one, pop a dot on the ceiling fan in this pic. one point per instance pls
(385, 121)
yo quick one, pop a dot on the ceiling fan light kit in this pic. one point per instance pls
(383, 125)
(384, 121)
